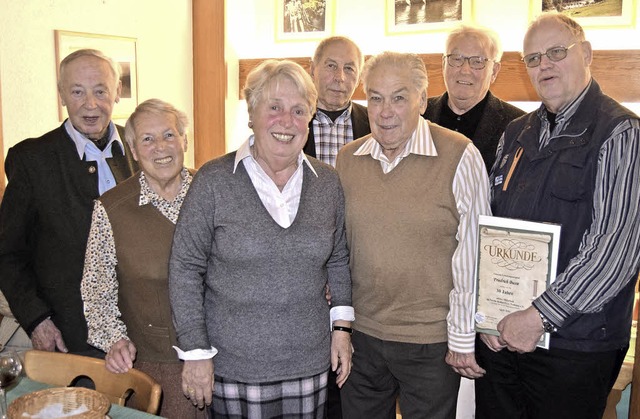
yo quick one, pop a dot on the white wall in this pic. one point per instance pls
(251, 34)
(27, 55)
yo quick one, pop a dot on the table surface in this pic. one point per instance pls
(26, 385)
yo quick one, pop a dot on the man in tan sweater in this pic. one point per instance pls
(413, 193)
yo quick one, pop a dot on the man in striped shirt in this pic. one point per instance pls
(413, 193)
(575, 162)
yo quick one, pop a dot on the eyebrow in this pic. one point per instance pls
(395, 92)
(335, 61)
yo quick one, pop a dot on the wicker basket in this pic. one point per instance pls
(69, 397)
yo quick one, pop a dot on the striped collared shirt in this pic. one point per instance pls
(563, 119)
(608, 256)
(471, 192)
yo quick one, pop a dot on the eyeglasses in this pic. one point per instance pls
(554, 54)
(475, 62)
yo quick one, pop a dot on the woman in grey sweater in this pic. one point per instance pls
(260, 234)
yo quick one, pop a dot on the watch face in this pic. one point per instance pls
(548, 327)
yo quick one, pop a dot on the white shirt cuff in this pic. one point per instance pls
(345, 313)
(196, 354)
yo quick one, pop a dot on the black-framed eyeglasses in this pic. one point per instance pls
(475, 62)
(554, 54)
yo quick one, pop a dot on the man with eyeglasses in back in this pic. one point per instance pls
(471, 63)
(576, 162)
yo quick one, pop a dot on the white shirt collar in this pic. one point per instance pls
(244, 151)
(81, 141)
(420, 143)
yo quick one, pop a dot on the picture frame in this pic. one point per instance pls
(304, 20)
(122, 50)
(411, 16)
(600, 14)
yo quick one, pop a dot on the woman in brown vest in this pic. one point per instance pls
(124, 285)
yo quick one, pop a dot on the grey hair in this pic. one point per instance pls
(488, 39)
(156, 107)
(334, 40)
(87, 52)
(260, 78)
(571, 25)
(413, 62)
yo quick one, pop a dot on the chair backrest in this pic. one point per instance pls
(62, 369)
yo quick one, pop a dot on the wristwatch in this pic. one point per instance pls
(342, 329)
(547, 326)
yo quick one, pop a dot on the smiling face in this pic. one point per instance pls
(89, 90)
(159, 149)
(281, 121)
(394, 106)
(336, 75)
(467, 87)
(557, 83)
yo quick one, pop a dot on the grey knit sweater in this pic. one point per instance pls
(254, 290)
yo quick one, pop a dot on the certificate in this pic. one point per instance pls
(516, 262)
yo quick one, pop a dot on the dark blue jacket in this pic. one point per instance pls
(556, 185)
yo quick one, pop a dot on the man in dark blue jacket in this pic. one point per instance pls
(575, 162)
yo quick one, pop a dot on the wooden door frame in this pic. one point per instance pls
(209, 80)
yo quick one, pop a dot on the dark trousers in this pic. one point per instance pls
(383, 371)
(545, 384)
(334, 407)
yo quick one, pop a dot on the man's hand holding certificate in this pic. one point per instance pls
(516, 262)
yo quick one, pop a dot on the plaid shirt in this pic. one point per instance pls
(330, 136)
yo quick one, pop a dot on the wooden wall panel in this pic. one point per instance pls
(617, 72)
(209, 80)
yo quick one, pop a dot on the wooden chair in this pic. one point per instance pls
(60, 369)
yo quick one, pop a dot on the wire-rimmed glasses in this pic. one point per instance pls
(554, 54)
(475, 62)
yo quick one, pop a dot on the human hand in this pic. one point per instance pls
(327, 294)
(521, 330)
(464, 364)
(120, 357)
(493, 342)
(47, 337)
(197, 381)
(341, 353)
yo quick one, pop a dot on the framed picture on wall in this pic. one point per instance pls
(304, 20)
(590, 13)
(406, 16)
(121, 49)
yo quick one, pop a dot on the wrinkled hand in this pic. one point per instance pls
(495, 343)
(464, 364)
(47, 337)
(120, 357)
(197, 381)
(521, 330)
(341, 352)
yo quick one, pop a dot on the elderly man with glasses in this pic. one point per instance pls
(575, 162)
(471, 63)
